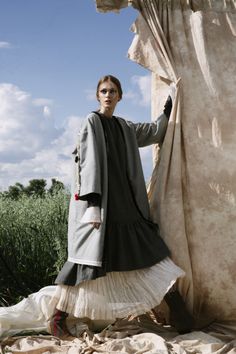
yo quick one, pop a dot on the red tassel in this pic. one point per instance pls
(76, 196)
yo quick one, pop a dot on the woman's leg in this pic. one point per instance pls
(180, 318)
(57, 324)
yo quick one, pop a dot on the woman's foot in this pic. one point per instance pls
(180, 318)
(57, 324)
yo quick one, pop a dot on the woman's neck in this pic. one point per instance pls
(106, 112)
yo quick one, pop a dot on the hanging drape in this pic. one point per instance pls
(193, 187)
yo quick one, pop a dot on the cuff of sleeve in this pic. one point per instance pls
(92, 214)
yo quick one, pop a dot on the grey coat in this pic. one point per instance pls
(85, 243)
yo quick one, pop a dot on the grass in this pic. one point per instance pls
(33, 244)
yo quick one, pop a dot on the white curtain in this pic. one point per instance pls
(193, 187)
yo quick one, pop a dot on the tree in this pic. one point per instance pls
(36, 187)
(56, 186)
(16, 191)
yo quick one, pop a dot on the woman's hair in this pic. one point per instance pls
(112, 79)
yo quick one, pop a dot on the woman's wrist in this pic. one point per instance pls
(92, 215)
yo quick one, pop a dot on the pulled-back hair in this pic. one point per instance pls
(112, 79)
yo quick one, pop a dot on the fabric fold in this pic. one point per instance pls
(193, 186)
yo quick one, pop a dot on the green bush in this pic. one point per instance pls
(33, 243)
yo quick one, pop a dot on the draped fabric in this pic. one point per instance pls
(193, 187)
(19, 325)
(115, 5)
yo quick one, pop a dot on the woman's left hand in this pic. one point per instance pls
(173, 87)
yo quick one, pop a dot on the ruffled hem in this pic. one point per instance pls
(128, 246)
(118, 294)
(134, 245)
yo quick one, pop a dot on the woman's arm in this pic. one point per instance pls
(154, 133)
(92, 214)
(88, 182)
(93, 199)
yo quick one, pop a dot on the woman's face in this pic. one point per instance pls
(108, 97)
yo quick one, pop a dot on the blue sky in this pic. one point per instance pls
(52, 53)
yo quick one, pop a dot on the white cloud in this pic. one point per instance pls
(30, 144)
(140, 93)
(131, 95)
(91, 94)
(42, 102)
(67, 140)
(144, 85)
(5, 45)
(45, 103)
(46, 111)
(48, 163)
(24, 127)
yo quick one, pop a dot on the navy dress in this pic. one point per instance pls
(131, 242)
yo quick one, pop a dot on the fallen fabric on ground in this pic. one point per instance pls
(139, 335)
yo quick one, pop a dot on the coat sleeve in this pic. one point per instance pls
(151, 133)
(93, 199)
(90, 174)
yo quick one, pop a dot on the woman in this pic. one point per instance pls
(118, 265)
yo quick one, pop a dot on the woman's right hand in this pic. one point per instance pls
(92, 216)
(96, 224)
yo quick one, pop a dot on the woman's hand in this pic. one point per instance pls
(178, 81)
(92, 216)
(96, 224)
(173, 87)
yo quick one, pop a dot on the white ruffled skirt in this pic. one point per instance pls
(118, 294)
